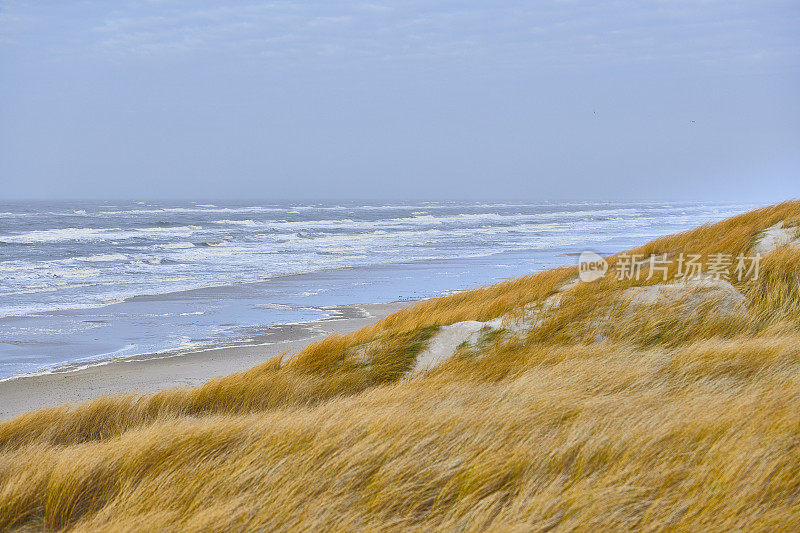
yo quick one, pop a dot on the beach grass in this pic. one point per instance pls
(604, 414)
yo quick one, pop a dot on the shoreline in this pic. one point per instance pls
(130, 327)
(78, 382)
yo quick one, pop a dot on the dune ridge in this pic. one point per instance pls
(580, 407)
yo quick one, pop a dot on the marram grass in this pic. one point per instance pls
(606, 416)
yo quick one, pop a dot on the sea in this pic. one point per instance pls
(85, 281)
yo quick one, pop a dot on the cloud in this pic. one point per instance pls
(555, 32)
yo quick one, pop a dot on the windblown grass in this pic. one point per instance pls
(608, 415)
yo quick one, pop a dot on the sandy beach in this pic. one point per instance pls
(153, 372)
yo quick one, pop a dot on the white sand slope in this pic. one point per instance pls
(690, 293)
(775, 237)
(447, 340)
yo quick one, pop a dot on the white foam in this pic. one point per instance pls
(237, 222)
(59, 234)
(189, 210)
(174, 231)
(177, 245)
(102, 258)
(96, 234)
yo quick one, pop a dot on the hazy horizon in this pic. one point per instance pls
(76, 200)
(553, 101)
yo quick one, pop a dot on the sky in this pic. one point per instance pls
(427, 100)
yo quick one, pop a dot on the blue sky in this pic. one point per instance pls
(527, 100)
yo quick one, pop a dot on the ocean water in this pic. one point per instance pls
(83, 281)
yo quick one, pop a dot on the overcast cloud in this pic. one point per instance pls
(413, 100)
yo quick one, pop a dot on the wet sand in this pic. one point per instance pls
(153, 372)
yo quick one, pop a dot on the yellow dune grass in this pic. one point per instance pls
(608, 415)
